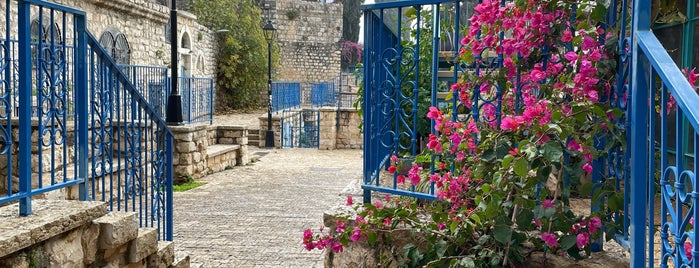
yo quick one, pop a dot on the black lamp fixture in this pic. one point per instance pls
(173, 115)
(269, 31)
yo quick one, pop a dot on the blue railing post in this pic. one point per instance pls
(168, 177)
(211, 101)
(80, 56)
(25, 113)
(639, 133)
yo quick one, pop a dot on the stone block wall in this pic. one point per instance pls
(340, 130)
(80, 234)
(204, 149)
(143, 24)
(308, 38)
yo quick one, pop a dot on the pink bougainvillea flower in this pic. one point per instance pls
(340, 226)
(356, 234)
(394, 158)
(337, 247)
(514, 151)
(387, 222)
(441, 226)
(400, 179)
(349, 200)
(509, 123)
(391, 169)
(582, 239)
(414, 174)
(550, 239)
(688, 250)
(573, 145)
(587, 167)
(537, 75)
(548, 203)
(567, 36)
(378, 204)
(387, 198)
(594, 223)
(359, 220)
(434, 113)
(571, 56)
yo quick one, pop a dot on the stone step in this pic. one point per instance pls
(143, 246)
(254, 137)
(164, 257)
(181, 261)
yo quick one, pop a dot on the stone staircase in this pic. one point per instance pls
(254, 137)
(64, 233)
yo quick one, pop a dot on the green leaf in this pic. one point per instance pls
(552, 152)
(440, 248)
(467, 262)
(556, 116)
(507, 160)
(521, 167)
(371, 238)
(599, 13)
(616, 202)
(524, 219)
(567, 242)
(502, 233)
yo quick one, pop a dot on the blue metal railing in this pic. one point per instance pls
(79, 122)
(285, 95)
(197, 99)
(322, 94)
(130, 145)
(654, 167)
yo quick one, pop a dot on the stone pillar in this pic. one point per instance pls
(189, 157)
(276, 126)
(328, 128)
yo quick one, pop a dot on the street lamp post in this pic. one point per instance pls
(269, 30)
(173, 115)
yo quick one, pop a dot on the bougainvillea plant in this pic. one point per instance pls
(498, 176)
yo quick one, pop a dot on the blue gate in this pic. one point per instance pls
(80, 123)
(654, 174)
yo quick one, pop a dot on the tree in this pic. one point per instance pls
(241, 65)
(351, 13)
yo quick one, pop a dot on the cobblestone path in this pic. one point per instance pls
(254, 216)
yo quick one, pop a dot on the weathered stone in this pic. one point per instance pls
(165, 255)
(146, 244)
(90, 234)
(598, 260)
(49, 218)
(186, 147)
(65, 251)
(181, 262)
(117, 228)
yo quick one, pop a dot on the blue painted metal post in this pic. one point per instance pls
(168, 185)
(25, 113)
(211, 101)
(365, 107)
(82, 103)
(639, 133)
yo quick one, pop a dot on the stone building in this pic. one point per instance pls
(308, 36)
(134, 32)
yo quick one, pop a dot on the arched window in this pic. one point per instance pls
(47, 31)
(186, 43)
(116, 44)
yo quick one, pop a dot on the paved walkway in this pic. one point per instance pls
(254, 216)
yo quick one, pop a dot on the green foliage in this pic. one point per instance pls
(189, 184)
(242, 56)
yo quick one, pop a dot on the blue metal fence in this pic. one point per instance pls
(322, 94)
(154, 85)
(80, 122)
(655, 164)
(197, 99)
(285, 95)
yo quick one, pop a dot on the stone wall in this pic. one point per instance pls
(143, 24)
(205, 149)
(340, 130)
(80, 234)
(308, 37)
(337, 130)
